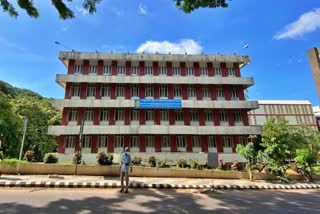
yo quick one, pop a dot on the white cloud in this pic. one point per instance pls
(82, 10)
(142, 9)
(186, 45)
(307, 23)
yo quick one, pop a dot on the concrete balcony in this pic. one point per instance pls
(62, 79)
(154, 129)
(122, 103)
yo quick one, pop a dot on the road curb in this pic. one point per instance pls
(71, 184)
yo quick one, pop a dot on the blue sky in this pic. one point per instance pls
(278, 33)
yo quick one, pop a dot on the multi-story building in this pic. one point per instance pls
(316, 112)
(296, 112)
(314, 60)
(193, 103)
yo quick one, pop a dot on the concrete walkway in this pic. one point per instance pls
(68, 181)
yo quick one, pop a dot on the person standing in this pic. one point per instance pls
(124, 169)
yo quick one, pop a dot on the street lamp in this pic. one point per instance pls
(58, 43)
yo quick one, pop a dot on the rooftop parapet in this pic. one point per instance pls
(64, 56)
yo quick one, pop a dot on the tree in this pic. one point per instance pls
(280, 142)
(249, 153)
(306, 159)
(90, 5)
(40, 114)
(10, 125)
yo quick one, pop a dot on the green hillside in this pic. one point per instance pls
(17, 103)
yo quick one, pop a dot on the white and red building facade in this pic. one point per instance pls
(102, 89)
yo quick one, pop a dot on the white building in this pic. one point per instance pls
(296, 112)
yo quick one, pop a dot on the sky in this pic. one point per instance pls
(278, 35)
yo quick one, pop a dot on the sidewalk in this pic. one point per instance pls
(68, 181)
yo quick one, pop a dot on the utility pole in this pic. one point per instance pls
(23, 132)
(80, 144)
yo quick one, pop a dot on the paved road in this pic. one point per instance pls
(83, 201)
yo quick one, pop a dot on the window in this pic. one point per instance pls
(92, 69)
(237, 116)
(107, 70)
(73, 114)
(164, 115)
(178, 116)
(203, 71)
(149, 90)
(205, 92)
(149, 115)
(231, 72)
(194, 116)
(69, 141)
(208, 116)
(148, 70)
(119, 141)
(177, 91)
(120, 91)
(150, 141)
(242, 140)
(88, 115)
(77, 69)
(165, 141)
(181, 142)
(212, 141)
(91, 90)
(121, 70)
(104, 114)
(163, 91)
(191, 92)
(195, 141)
(223, 116)
(103, 142)
(134, 141)
(217, 71)
(135, 70)
(87, 142)
(190, 71)
(105, 90)
(162, 71)
(119, 115)
(75, 90)
(227, 141)
(135, 90)
(234, 93)
(134, 115)
(220, 93)
(176, 71)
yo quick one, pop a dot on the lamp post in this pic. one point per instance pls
(58, 43)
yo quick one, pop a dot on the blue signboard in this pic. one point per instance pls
(157, 104)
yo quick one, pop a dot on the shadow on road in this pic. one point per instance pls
(170, 201)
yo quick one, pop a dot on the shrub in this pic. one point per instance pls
(136, 160)
(181, 163)
(105, 159)
(236, 165)
(162, 163)
(50, 158)
(77, 158)
(194, 164)
(222, 165)
(12, 161)
(28, 155)
(152, 161)
(1, 155)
